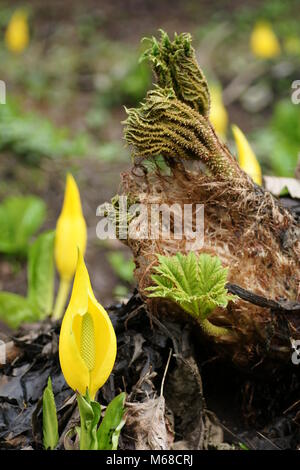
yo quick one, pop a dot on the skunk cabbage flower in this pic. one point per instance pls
(70, 231)
(264, 43)
(70, 236)
(87, 342)
(246, 156)
(218, 115)
(17, 32)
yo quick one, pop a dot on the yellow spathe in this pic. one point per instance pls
(71, 233)
(246, 157)
(17, 32)
(218, 115)
(264, 42)
(87, 342)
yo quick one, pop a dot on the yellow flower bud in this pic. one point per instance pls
(71, 233)
(87, 342)
(17, 32)
(246, 156)
(263, 41)
(218, 115)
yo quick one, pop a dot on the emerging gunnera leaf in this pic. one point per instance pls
(175, 66)
(245, 227)
(196, 283)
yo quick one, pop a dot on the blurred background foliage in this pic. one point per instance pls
(77, 64)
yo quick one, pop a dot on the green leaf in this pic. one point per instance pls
(32, 136)
(20, 218)
(112, 423)
(90, 412)
(197, 284)
(85, 408)
(243, 446)
(122, 267)
(15, 309)
(41, 273)
(120, 291)
(94, 424)
(50, 424)
(277, 144)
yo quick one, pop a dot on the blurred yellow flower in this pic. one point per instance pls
(71, 231)
(218, 115)
(17, 32)
(246, 156)
(264, 43)
(87, 342)
(71, 235)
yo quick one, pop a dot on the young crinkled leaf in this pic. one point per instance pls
(41, 273)
(112, 423)
(212, 280)
(50, 424)
(197, 284)
(175, 66)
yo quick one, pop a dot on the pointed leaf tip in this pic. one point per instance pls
(50, 423)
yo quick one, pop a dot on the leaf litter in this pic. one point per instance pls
(177, 392)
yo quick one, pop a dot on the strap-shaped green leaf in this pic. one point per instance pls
(85, 408)
(90, 412)
(50, 424)
(112, 423)
(41, 273)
